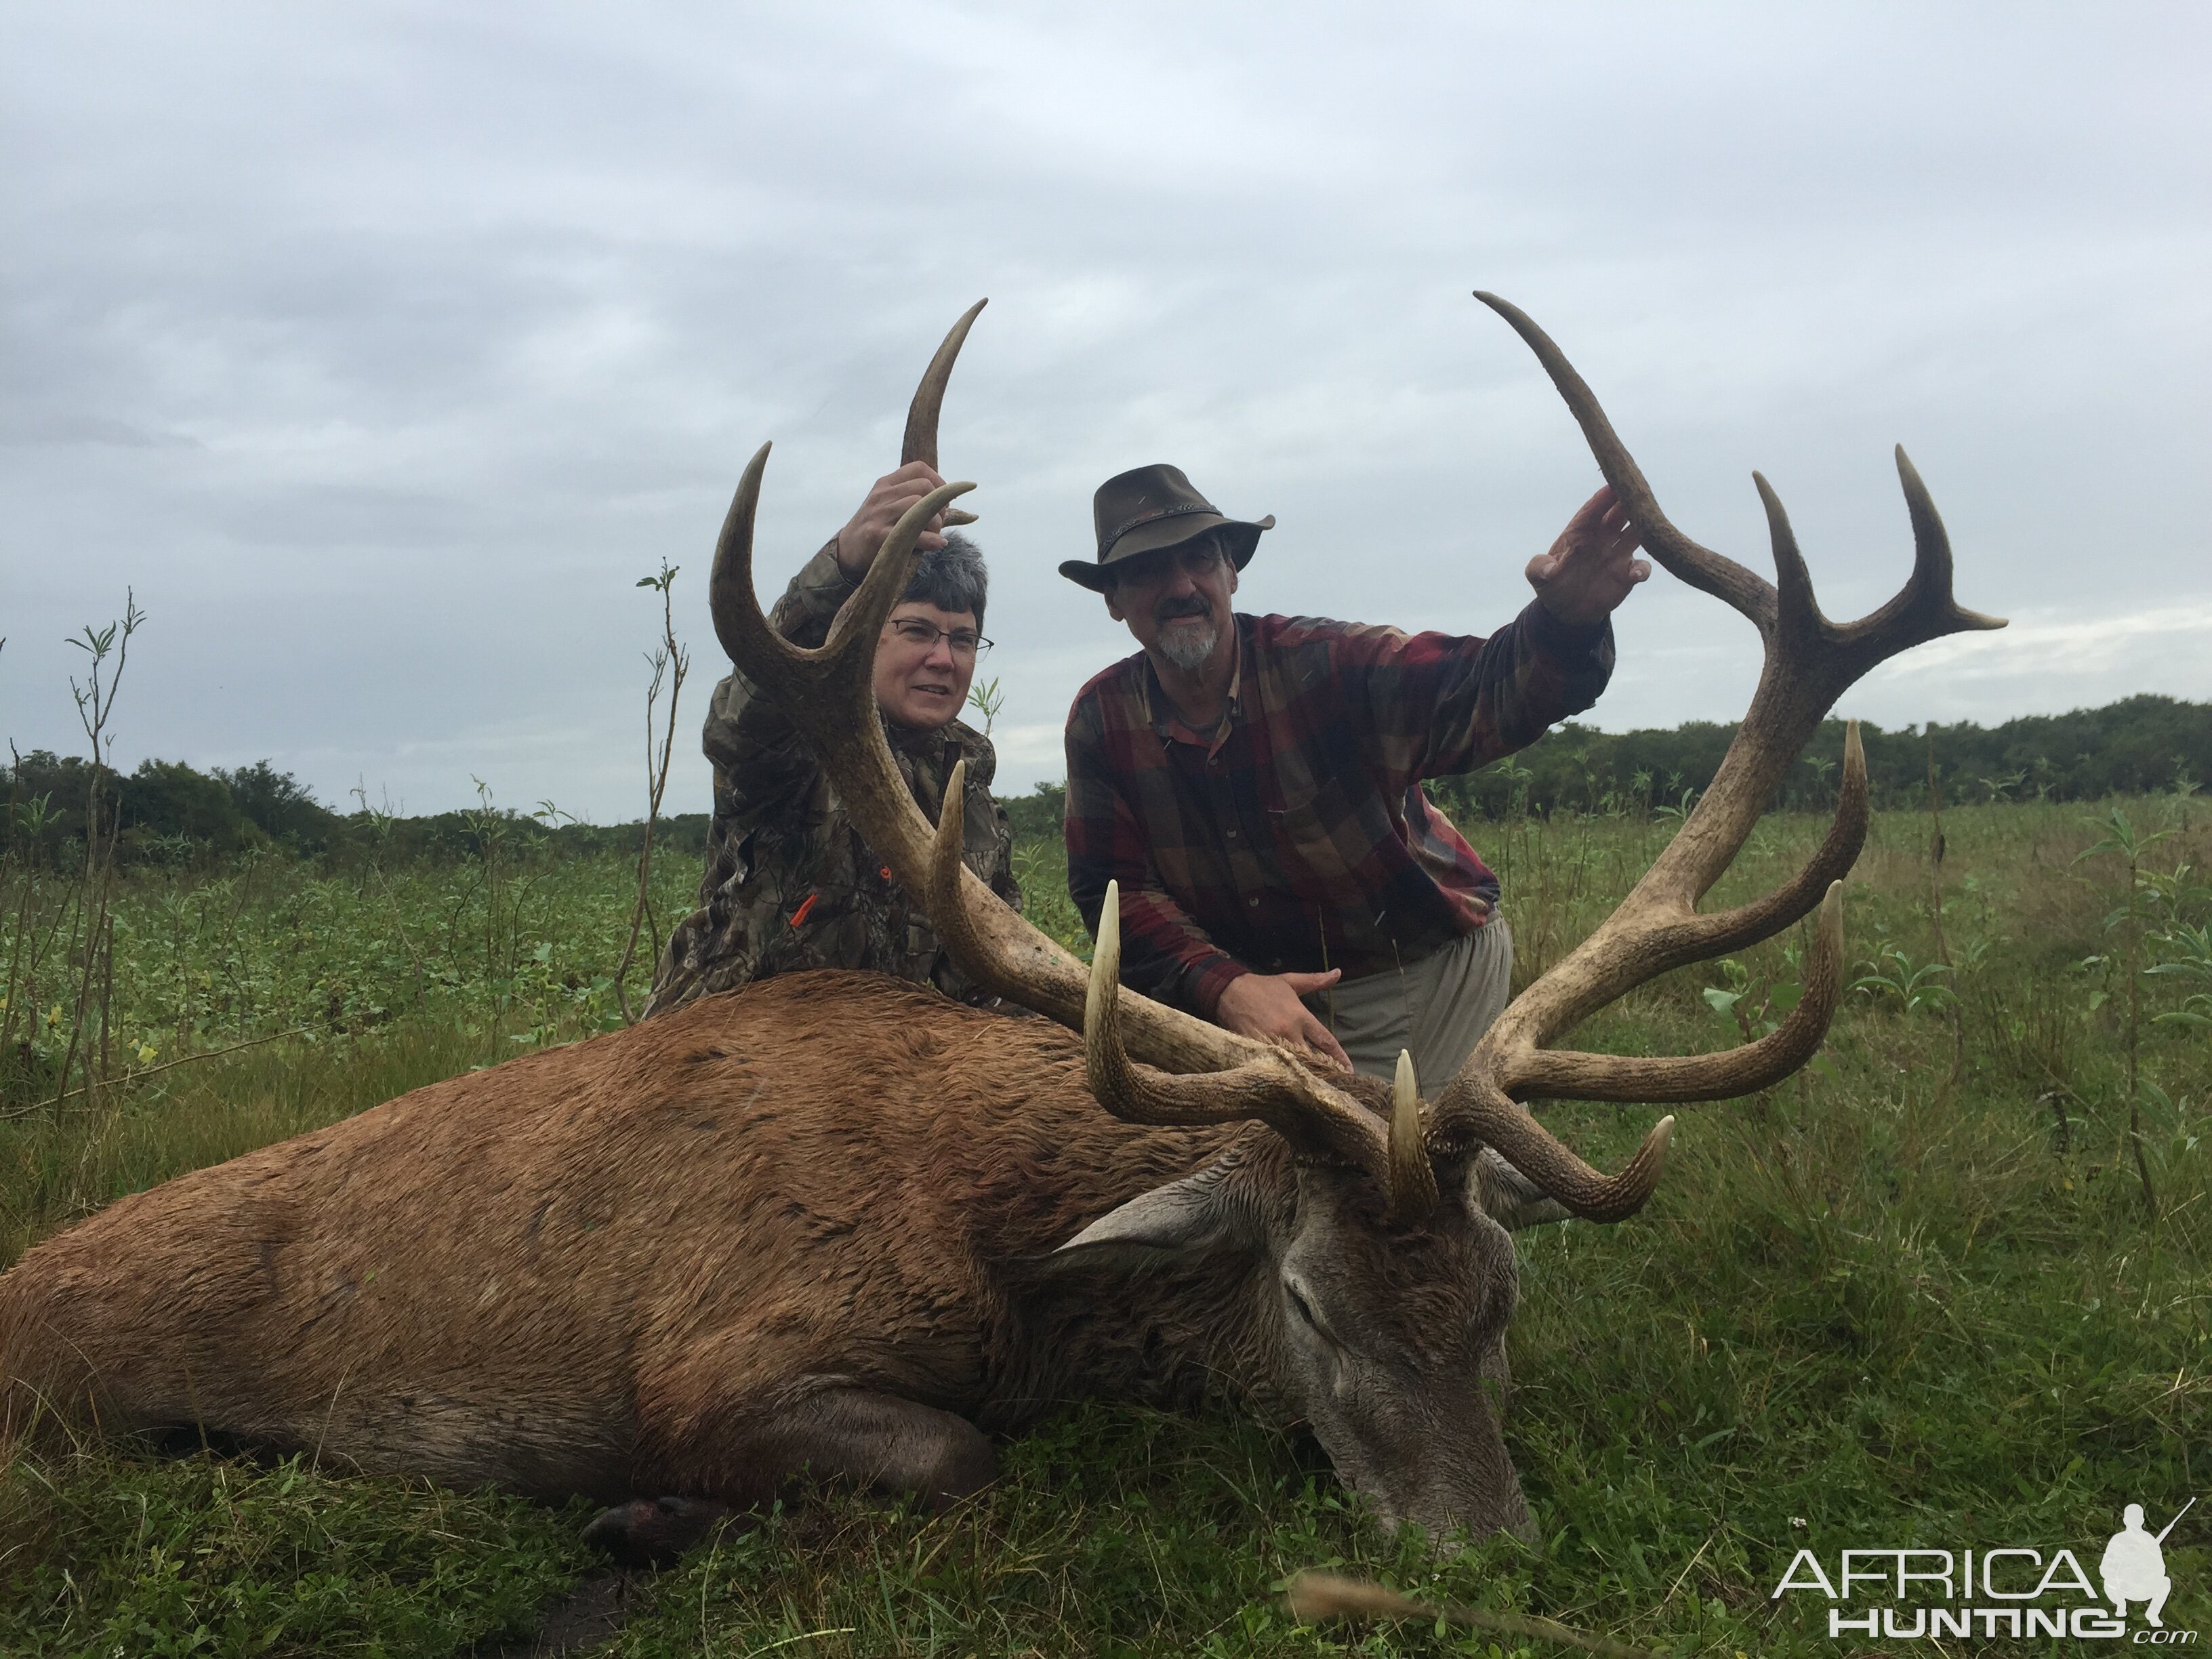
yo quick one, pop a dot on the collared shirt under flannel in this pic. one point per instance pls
(1296, 837)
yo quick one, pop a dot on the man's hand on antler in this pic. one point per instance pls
(1590, 569)
(1267, 1006)
(887, 502)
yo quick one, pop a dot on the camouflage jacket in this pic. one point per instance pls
(789, 884)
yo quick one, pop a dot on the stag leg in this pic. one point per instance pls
(652, 1532)
(854, 1437)
(878, 1443)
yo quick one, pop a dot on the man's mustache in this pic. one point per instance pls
(1191, 605)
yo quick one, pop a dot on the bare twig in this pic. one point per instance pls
(1316, 1596)
(25, 824)
(95, 706)
(143, 1072)
(667, 656)
(1936, 847)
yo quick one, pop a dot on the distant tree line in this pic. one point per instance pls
(2140, 746)
(2137, 746)
(172, 812)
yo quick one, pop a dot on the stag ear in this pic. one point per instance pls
(1508, 1197)
(1198, 1215)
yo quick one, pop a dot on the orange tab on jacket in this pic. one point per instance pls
(804, 905)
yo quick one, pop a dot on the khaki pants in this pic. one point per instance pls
(1437, 1008)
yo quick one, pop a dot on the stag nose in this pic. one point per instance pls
(1443, 1514)
(1460, 1478)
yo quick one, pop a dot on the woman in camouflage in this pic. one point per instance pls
(789, 884)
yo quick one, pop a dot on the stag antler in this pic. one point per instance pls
(1197, 1072)
(1269, 1083)
(919, 443)
(1270, 1087)
(1809, 662)
(828, 693)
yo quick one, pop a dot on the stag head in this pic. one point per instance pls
(1367, 1228)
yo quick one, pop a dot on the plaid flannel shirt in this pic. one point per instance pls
(1295, 837)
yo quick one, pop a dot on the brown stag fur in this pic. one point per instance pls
(603, 1268)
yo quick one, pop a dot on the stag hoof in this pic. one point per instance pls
(652, 1532)
(966, 1466)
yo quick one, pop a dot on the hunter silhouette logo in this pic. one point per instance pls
(1926, 1593)
(2134, 1567)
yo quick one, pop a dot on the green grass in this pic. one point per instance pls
(1876, 1306)
(205, 1556)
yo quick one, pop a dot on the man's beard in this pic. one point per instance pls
(1189, 649)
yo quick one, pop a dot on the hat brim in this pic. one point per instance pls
(1159, 535)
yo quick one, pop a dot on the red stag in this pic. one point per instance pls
(838, 1224)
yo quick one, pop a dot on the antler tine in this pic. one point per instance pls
(1472, 1113)
(1708, 936)
(860, 621)
(828, 693)
(1699, 565)
(1810, 661)
(1004, 954)
(1799, 623)
(739, 623)
(1270, 1087)
(774, 661)
(1632, 947)
(1480, 1104)
(919, 443)
(1412, 1176)
(1926, 607)
(1560, 1074)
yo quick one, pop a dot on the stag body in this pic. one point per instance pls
(812, 1223)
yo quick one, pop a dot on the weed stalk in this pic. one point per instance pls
(2122, 839)
(1936, 847)
(669, 663)
(95, 706)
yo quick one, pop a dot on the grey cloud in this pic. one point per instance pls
(382, 348)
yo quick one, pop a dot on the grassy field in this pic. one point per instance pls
(1918, 1295)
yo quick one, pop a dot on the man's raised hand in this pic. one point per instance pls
(886, 504)
(1590, 568)
(1267, 1006)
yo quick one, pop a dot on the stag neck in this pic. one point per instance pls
(1181, 1326)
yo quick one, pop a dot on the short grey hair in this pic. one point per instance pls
(952, 578)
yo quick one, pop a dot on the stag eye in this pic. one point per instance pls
(1303, 1307)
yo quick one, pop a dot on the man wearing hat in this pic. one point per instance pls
(1253, 782)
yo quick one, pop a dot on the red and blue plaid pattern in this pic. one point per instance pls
(1295, 837)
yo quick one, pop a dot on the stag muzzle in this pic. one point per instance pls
(1451, 1475)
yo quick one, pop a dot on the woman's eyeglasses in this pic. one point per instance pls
(924, 636)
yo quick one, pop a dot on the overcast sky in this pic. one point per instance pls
(382, 348)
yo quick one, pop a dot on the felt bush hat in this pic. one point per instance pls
(1150, 509)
